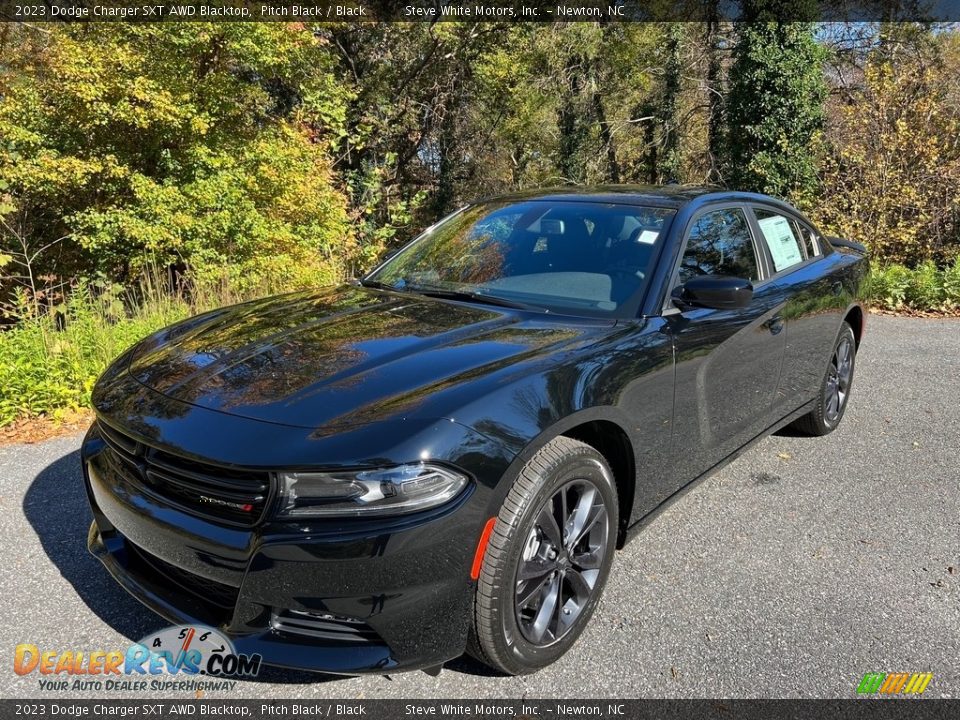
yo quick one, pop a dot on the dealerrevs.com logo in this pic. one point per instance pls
(185, 651)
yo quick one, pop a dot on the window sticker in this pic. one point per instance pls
(781, 241)
(648, 237)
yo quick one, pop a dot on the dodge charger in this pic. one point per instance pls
(446, 455)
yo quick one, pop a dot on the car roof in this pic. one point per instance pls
(670, 196)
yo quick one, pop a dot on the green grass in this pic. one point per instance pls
(47, 370)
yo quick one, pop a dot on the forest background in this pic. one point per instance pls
(148, 172)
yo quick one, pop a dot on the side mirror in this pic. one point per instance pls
(717, 292)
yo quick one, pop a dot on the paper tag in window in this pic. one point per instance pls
(781, 241)
(648, 237)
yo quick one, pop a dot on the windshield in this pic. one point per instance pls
(559, 256)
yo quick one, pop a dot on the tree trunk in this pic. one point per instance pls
(613, 167)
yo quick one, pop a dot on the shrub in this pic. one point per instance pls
(925, 288)
(951, 285)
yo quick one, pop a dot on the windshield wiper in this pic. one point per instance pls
(403, 285)
(377, 285)
(470, 296)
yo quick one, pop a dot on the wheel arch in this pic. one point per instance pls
(856, 318)
(603, 429)
(611, 441)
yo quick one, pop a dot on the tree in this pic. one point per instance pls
(569, 102)
(891, 174)
(775, 108)
(199, 145)
(716, 92)
(660, 112)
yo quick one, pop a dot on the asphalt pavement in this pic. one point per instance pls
(795, 570)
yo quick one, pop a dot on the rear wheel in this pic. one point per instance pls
(835, 388)
(548, 559)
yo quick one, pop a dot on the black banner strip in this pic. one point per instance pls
(468, 11)
(873, 709)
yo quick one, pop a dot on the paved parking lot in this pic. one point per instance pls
(791, 573)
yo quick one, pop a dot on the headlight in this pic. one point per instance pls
(384, 491)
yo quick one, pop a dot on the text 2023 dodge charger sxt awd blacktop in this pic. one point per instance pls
(445, 455)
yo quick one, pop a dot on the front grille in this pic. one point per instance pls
(324, 626)
(209, 591)
(237, 497)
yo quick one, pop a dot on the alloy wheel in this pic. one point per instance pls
(839, 376)
(561, 562)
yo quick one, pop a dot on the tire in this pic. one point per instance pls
(834, 395)
(517, 637)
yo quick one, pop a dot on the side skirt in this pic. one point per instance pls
(638, 526)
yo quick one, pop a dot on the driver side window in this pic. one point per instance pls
(720, 243)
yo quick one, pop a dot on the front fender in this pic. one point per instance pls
(626, 381)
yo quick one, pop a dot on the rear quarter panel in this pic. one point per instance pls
(819, 296)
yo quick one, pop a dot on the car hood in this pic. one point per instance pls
(348, 355)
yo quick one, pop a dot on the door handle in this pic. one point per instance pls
(774, 325)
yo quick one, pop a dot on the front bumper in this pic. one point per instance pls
(385, 596)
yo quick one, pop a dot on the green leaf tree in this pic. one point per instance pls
(198, 145)
(775, 107)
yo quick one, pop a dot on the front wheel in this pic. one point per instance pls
(547, 560)
(835, 388)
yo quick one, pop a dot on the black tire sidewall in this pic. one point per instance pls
(845, 332)
(525, 655)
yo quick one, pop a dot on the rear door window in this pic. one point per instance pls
(811, 243)
(782, 239)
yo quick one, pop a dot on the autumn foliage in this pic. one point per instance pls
(152, 171)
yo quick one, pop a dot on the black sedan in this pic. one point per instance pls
(445, 455)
